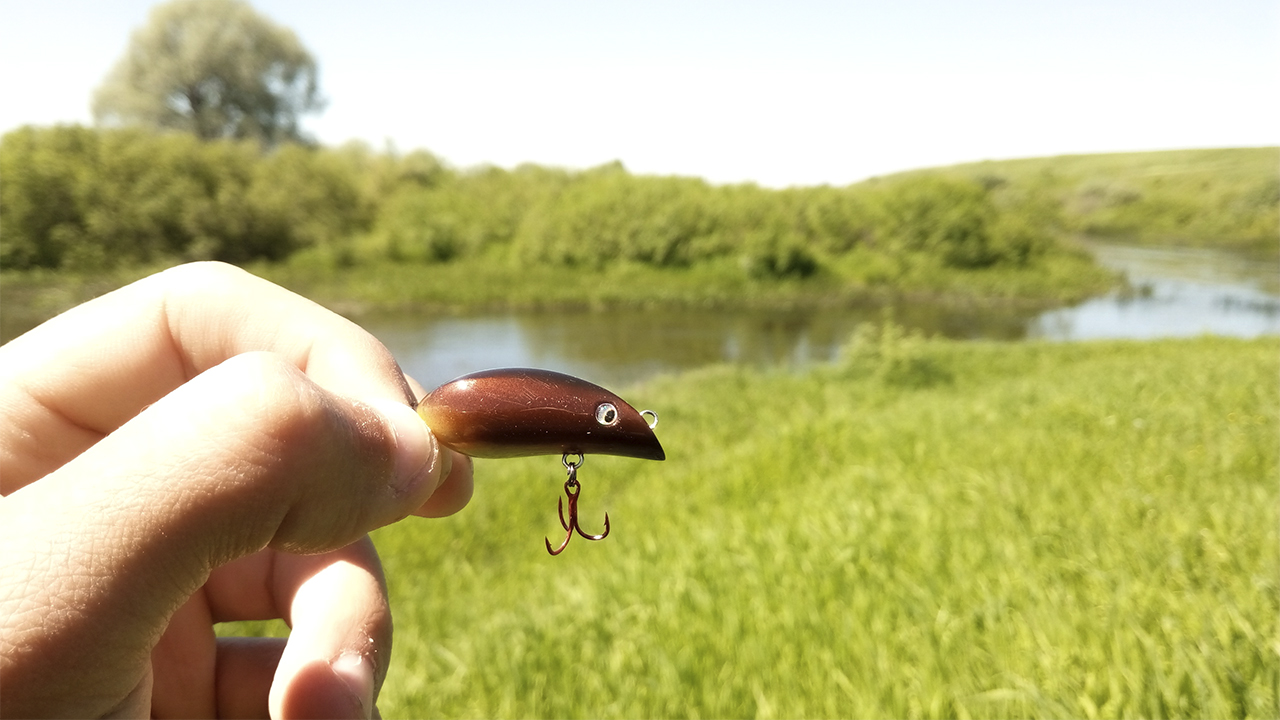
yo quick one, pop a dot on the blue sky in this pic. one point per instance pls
(783, 92)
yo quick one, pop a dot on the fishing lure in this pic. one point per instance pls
(517, 412)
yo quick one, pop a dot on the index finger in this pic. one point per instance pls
(78, 377)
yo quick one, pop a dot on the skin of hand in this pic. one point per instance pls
(198, 447)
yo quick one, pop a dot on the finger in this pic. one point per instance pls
(248, 455)
(321, 690)
(69, 382)
(245, 669)
(340, 643)
(183, 664)
(416, 388)
(454, 491)
(456, 488)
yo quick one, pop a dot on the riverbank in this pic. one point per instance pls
(462, 286)
(1170, 292)
(368, 233)
(458, 286)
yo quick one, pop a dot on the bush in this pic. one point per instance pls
(42, 176)
(946, 217)
(88, 199)
(463, 215)
(82, 198)
(301, 198)
(607, 215)
(894, 356)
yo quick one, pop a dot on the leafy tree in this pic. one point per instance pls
(215, 68)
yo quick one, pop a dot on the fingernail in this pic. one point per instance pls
(417, 453)
(357, 674)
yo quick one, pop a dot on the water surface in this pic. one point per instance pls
(1171, 293)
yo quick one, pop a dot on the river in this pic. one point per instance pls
(1170, 293)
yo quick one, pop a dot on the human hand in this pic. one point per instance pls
(198, 447)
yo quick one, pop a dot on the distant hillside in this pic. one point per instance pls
(1199, 197)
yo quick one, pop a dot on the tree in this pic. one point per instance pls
(215, 68)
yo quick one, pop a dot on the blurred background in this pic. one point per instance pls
(961, 319)
(779, 94)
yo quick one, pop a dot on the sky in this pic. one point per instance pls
(776, 92)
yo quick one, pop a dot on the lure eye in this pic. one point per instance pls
(606, 414)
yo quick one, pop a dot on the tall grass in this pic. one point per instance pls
(927, 529)
(477, 284)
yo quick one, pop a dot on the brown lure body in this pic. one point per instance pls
(515, 412)
(521, 411)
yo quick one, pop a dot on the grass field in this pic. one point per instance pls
(928, 529)
(1224, 197)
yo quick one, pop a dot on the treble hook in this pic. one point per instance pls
(571, 490)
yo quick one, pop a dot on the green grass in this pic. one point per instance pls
(473, 284)
(928, 529)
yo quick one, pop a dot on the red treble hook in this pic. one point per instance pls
(571, 490)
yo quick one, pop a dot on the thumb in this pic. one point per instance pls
(247, 455)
